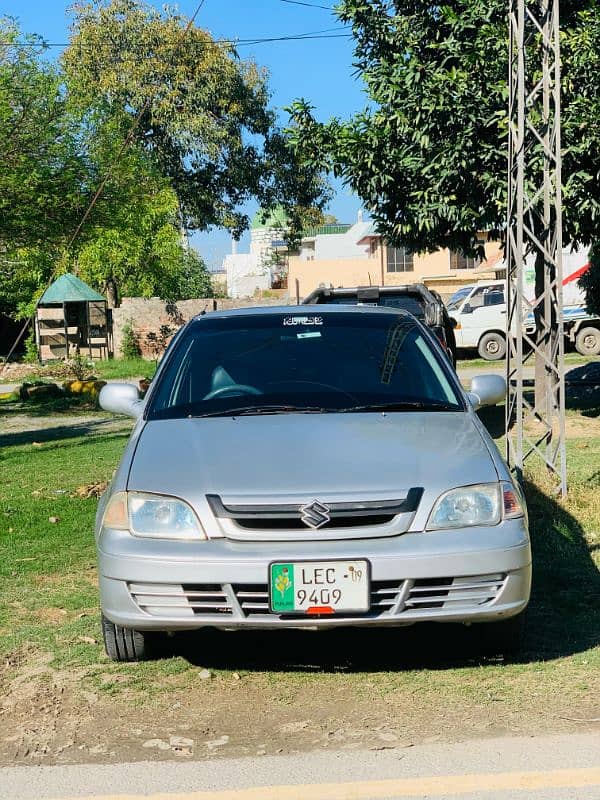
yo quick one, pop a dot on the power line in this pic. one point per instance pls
(308, 5)
(126, 142)
(323, 34)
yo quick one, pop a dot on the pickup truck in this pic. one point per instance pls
(425, 304)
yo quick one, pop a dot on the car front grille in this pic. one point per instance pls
(403, 598)
(254, 598)
(180, 600)
(462, 592)
(268, 521)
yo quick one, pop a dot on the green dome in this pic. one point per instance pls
(277, 218)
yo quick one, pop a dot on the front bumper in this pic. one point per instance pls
(473, 575)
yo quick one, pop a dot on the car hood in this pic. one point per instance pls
(311, 455)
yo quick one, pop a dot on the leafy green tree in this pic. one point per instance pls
(195, 279)
(429, 155)
(202, 113)
(41, 168)
(42, 172)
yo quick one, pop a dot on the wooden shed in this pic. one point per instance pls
(72, 318)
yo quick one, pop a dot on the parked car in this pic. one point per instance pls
(480, 312)
(425, 304)
(308, 467)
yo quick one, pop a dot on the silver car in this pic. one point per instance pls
(308, 468)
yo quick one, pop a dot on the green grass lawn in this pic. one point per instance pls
(48, 594)
(571, 360)
(116, 368)
(110, 369)
(49, 598)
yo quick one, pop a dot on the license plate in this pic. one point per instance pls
(319, 587)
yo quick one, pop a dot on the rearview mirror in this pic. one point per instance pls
(121, 398)
(487, 390)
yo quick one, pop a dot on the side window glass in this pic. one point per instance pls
(477, 299)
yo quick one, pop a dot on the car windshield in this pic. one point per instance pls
(458, 297)
(315, 363)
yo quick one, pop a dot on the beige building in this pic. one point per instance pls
(355, 255)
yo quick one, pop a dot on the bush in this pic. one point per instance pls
(157, 342)
(79, 366)
(130, 346)
(31, 352)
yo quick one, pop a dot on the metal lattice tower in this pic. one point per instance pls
(535, 233)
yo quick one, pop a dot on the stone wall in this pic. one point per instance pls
(148, 315)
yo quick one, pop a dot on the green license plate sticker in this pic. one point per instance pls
(282, 587)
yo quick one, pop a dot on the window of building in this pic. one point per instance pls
(399, 259)
(460, 261)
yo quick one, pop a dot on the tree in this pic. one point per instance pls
(41, 168)
(52, 159)
(202, 113)
(429, 156)
(195, 279)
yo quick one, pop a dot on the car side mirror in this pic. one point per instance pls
(466, 309)
(121, 398)
(487, 390)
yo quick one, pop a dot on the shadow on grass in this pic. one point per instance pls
(583, 397)
(563, 619)
(564, 615)
(58, 411)
(61, 432)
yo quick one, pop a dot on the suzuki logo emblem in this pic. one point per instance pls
(315, 514)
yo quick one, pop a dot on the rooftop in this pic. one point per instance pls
(69, 288)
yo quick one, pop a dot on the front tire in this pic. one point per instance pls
(587, 341)
(125, 644)
(492, 346)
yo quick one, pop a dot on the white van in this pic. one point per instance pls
(480, 312)
(481, 319)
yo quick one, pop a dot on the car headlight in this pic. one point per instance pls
(467, 506)
(153, 516)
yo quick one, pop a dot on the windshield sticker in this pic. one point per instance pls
(303, 320)
(395, 339)
(308, 335)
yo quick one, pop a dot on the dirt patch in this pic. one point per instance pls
(107, 712)
(582, 427)
(56, 580)
(576, 427)
(12, 373)
(54, 616)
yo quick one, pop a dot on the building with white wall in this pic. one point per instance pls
(249, 273)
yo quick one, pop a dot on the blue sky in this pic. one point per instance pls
(319, 70)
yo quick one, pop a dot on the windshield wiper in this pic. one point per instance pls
(257, 410)
(403, 405)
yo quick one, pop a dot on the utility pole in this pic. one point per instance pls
(535, 425)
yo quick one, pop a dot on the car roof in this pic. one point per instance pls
(301, 311)
(350, 291)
